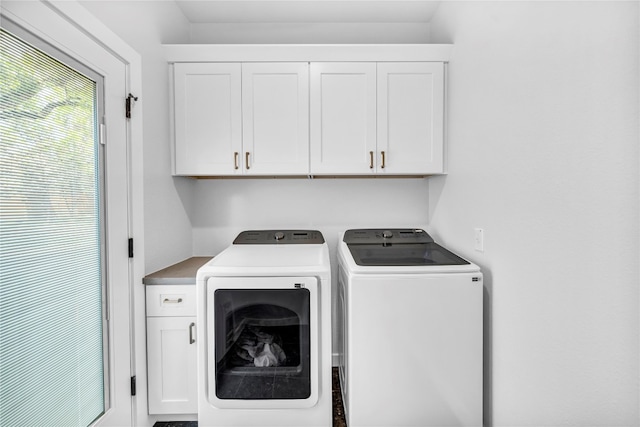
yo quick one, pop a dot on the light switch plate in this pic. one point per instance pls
(479, 239)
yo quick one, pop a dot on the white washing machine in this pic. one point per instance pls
(264, 328)
(410, 322)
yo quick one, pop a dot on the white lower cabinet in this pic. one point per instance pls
(171, 349)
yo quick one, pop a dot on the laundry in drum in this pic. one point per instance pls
(259, 348)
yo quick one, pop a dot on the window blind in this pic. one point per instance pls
(51, 327)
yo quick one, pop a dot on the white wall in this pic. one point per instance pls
(145, 25)
(543, 154)
(318, 32)
(226, 207)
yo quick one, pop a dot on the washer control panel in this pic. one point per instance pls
(279, 237)
(372, 236)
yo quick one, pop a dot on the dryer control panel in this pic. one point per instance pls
(279, 237)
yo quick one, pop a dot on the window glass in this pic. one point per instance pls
(51, 294)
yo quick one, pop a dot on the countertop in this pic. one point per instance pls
(182, 273)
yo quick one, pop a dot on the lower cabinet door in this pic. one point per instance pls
(172, 367)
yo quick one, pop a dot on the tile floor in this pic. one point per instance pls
(338, 410)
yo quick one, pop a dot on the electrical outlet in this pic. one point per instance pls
(479, 239)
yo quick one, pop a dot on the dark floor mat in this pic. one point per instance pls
(176, 424)
(338, 409)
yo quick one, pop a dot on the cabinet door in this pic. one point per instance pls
(343, 118)
(275, 118)
(410, 117)
(172, 368)
(207, 119)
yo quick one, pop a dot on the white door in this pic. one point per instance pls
(275, 118)
(56, 28)
(410, 117)
(343, 118)
(207, 115)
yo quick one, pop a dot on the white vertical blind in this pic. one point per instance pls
(51, 330)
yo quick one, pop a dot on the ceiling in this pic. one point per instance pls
(307, 11)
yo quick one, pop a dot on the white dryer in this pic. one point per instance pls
(264, 330)
(410, 324)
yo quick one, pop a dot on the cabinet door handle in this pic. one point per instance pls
(370, 159)
(172, 301)
(235, 159)
(383, 159)
(192, 326)
(246, 160)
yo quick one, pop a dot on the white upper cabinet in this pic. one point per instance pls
(377, 118)
(277, 110)
(207, 118)
(410, 118)
(275, 118)
(343, 117)
(241, 119)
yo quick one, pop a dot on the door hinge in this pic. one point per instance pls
(133, 385)
(127, 105)
(130, 247)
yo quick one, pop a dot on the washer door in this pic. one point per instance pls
(262, 342)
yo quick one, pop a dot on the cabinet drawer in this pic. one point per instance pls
(168, 300)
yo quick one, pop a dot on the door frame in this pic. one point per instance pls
(70, 28)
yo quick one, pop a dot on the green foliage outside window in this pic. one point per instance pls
(51, 330)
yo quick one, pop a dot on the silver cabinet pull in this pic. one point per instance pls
(172, 301)
(370, 159)
(383, 159)
(246, 160)
(235, 159)
(191, 333)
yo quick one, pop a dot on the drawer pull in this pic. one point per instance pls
(191, 333)
(172, 301)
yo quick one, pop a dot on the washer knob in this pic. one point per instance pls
(279, 235)
(387, 234)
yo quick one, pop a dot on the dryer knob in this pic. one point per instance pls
(387, 234)
(279, 235)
